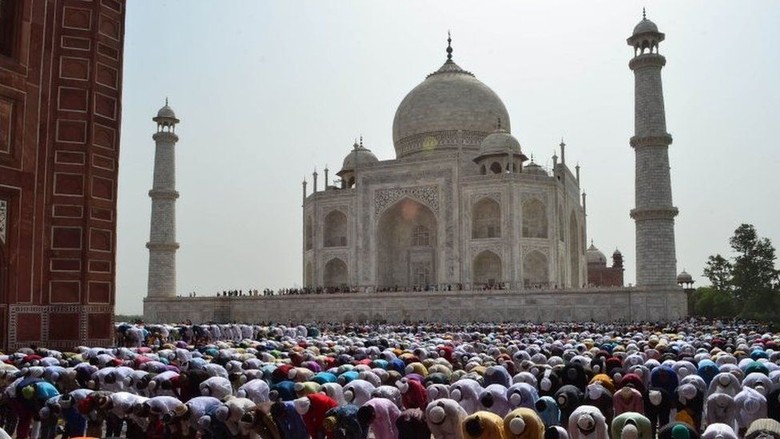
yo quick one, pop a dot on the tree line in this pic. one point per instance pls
(744, 285)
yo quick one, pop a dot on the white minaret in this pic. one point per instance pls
(162, 243)
(654, 213)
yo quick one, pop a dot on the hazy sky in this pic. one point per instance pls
(269, 91)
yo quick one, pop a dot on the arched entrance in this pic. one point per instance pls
(406, 243)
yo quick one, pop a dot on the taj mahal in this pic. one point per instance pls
(461, 225)
(460, 203)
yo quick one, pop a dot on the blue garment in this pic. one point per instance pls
(45, 390)
(285, 389)
(324, 377)
(348, 376)
(707, 370)
(289, 422)
(548, 410)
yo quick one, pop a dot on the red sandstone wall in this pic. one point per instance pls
(605, 276)
(60, 108)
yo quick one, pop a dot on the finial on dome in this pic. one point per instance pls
(644, 13)
(361, 140)
(449, 45)
(562, 144)
(166, 100)
(355, 145)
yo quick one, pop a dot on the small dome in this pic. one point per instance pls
(595, 256)
(533, 168)
(684, 278)
(166, 111)
(645, 26)
(617, 253)
(499, 142)
(360, 155)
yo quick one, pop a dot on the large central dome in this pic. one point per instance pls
(449, 107)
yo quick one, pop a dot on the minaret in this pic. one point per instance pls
(162, 243)
(654, 213)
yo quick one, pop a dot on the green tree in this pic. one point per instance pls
(748, 284)
(709, 302)
(719, 271)
(754, 273)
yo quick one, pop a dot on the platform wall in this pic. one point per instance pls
(451, 306)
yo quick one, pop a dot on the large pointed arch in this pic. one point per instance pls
(487, 269)
(335, 273)
(406, 242)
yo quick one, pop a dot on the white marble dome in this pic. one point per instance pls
(499, 142)
(645, 26)
(360, 155)
(166, 111)
(533, 168)
(447, 101)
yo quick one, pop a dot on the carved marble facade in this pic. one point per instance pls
(437, 223)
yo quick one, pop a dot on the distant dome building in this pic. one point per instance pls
(456, 208)
(601, 275)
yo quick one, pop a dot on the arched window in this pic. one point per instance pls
(536, 272)
(421, 236)
(483, 170)
(487, 269)
(486, 219)
(335, 230)
(495, 168)
(335, 274)
(534, 219)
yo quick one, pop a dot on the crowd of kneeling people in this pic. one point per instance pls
(686, 380)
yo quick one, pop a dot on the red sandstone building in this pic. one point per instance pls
(599, 274)
(60, 108)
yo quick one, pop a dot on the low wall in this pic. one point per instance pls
(598, 304)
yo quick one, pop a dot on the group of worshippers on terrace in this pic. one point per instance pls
(685, 380)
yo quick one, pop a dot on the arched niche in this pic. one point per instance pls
(335, 229)
(534, 219)
(536, 270)
(486, 219)
(335, 274)
(487, 269)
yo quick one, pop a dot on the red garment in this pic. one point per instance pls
(281, 373)
(320, 403)
(415, 397)
(628, 400)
